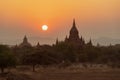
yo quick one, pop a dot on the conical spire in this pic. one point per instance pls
(74, 31)
(74, 34)
(38, 44)
(66, 38)
(57, 41)
(25, 42)
(25, 39)
(81, 38)
(74, 25)
(90, 42)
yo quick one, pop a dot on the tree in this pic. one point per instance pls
(6, 58)
(32, 60)
(39, 58)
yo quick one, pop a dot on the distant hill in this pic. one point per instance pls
(106, 41)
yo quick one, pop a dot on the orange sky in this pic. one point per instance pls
(27, 16)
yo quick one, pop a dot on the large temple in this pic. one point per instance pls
(74, 39)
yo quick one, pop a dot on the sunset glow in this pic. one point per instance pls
(59, 39)
(94, 18)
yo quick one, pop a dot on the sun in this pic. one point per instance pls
(44, 27)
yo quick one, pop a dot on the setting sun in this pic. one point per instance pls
(44, 27)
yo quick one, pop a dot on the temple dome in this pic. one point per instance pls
(25, 43)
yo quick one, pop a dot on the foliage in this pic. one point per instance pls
(39, 58)
(63, 52)
(6, 57)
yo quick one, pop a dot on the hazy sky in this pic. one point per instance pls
(94, 19)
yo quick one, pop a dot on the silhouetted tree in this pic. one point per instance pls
(39, 58)
(6, 58)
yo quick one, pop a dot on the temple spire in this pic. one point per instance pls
(25, 42)
(74, 24)
(25, 39)
(90, 42)
(57, 41)
(74, 34)
(38, 44)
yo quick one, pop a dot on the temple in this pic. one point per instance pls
(74, 38)
(25, 43)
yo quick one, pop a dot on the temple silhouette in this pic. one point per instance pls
(25, 43)
(73, 39)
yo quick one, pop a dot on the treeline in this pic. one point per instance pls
(58, 54)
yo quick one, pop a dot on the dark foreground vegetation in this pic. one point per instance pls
(62, 55)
